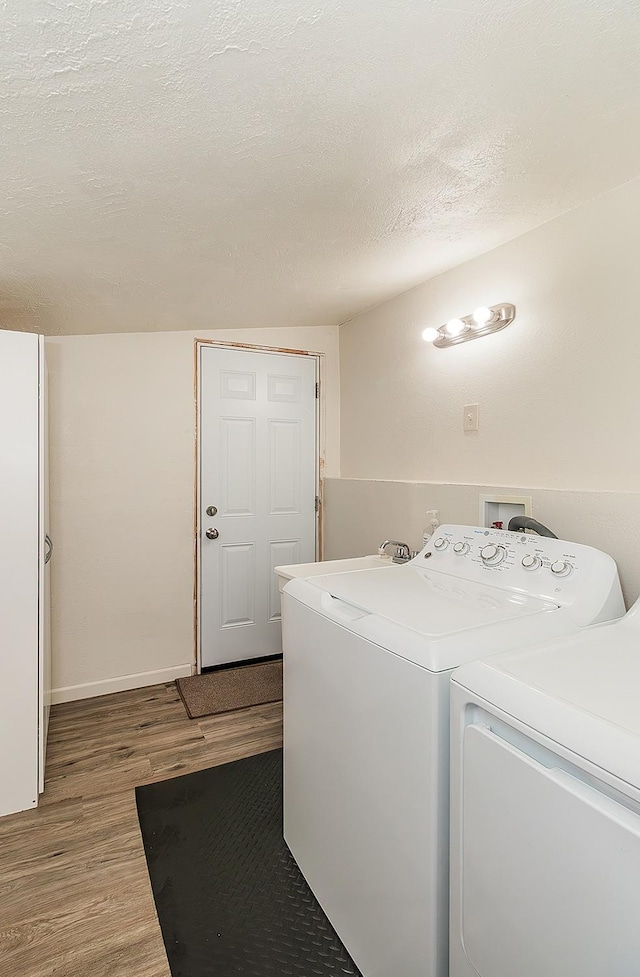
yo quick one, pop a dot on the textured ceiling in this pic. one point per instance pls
(191, 164)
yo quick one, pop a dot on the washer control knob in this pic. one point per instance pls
(440, 543)
(531, 562)
(492, 554)
(561, 568)
(460, 548)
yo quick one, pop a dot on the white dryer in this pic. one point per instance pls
(545, 809)
(367, 660)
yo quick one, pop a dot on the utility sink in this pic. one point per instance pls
(285, 574)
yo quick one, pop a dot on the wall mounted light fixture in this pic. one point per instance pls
(485, 320)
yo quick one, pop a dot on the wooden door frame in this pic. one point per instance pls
(320, 428)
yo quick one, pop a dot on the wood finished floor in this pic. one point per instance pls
(75, 897)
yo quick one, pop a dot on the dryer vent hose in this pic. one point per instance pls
(519, 523)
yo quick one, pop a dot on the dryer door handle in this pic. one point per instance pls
(614, 810)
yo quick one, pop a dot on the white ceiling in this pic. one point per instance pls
(191, 164)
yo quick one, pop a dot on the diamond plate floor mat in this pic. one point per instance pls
(230, 898)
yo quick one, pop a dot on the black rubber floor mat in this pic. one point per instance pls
(230, 898)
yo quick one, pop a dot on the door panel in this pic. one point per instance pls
(237, 386)
(238, 463)
(282, 553)
(238, 584)
(550, 868)
(284, 467)
(258, 469)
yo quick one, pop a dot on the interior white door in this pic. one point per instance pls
(258, 477)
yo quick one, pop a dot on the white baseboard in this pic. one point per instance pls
(120, 683)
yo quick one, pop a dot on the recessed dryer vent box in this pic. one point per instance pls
(497, 510)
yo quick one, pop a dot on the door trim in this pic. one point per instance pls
(198, 345)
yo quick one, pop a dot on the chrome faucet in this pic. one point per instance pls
(402, 553)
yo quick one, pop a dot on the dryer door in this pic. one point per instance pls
(550, 868)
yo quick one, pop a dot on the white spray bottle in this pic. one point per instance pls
(432, 525)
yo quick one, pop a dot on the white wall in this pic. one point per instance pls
(122, 484)
(557, 390)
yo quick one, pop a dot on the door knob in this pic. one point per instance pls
(211, 510)
(212, 534)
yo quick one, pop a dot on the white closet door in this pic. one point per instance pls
(19, 571)
(45, 555)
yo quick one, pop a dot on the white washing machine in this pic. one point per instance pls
(367, 660)
(545, 809)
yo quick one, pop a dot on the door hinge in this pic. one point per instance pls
(317, 503)
(317, 390)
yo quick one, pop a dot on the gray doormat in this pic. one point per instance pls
(231, 688)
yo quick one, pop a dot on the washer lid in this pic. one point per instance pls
(432, 603)
(430, 618)
(582, 691)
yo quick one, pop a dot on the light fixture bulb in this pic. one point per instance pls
(483, 315)
(455, 327)
(484, 321)
(430, 335)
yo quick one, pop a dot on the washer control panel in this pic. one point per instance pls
(521, 562)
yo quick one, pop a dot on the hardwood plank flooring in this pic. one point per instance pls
(75, 897)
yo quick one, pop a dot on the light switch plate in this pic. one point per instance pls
(470, 421)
